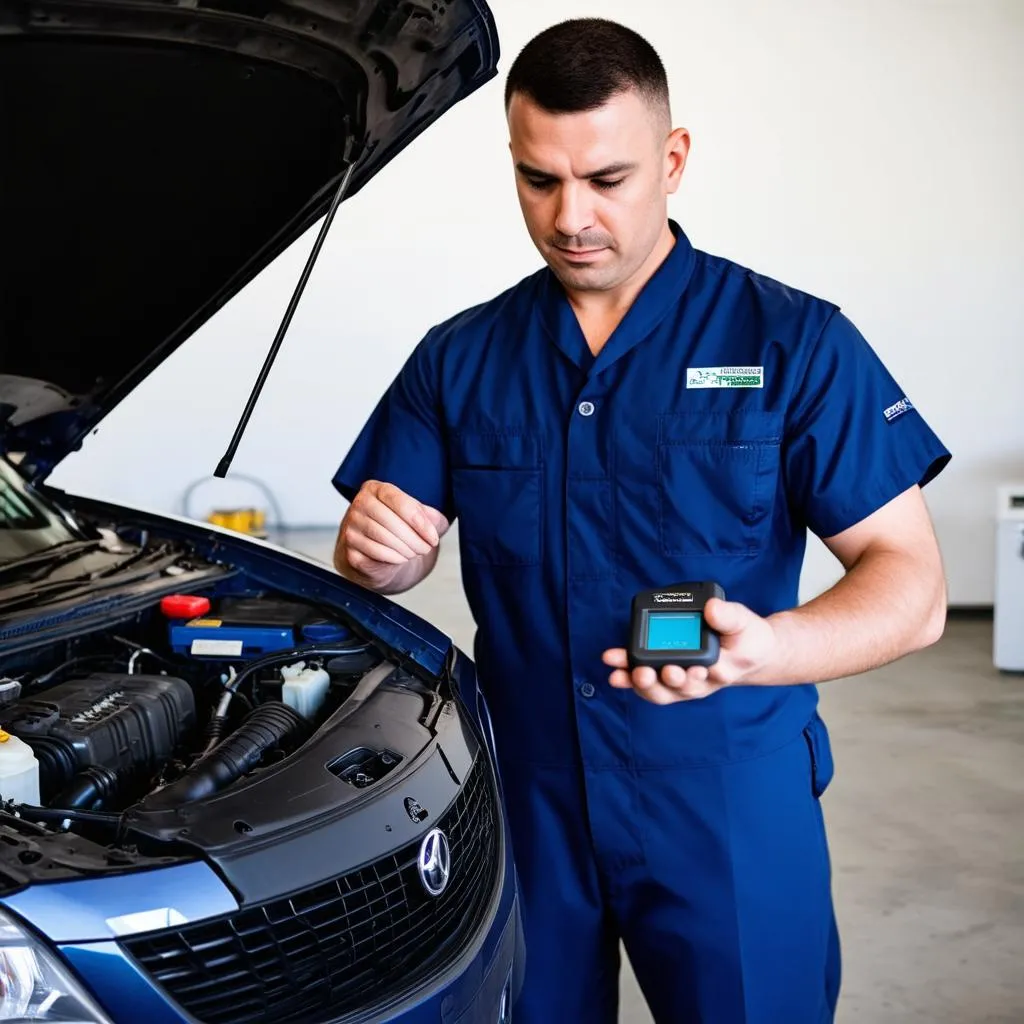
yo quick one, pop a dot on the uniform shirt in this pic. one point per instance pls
(725, 416)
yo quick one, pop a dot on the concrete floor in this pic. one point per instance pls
(926, 818)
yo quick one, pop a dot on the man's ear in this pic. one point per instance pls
(677, 149)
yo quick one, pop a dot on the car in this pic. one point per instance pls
(234, 786)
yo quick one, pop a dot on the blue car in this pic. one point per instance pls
(234, 787)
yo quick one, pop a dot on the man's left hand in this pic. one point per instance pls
(749, 646)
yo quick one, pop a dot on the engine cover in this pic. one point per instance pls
(126, 723)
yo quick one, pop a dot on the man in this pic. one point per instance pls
(637, 414)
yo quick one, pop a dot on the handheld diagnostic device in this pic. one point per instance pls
(668, 626)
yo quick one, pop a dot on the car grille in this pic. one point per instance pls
(355, 941)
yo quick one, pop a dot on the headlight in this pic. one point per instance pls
(35, 986)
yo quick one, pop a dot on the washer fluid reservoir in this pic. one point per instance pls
(19, 771)
(304, 688)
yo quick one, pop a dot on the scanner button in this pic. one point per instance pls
(587, 690)
(586, 408)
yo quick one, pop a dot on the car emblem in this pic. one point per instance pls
(435, 862)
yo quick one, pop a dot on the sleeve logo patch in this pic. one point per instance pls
(725, 376)
(894, 412)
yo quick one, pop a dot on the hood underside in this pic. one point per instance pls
(156, 156)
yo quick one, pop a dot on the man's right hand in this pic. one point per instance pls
(388, 540)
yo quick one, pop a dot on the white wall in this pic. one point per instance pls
(872, 153)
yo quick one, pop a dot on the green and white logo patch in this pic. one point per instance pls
(725, 376)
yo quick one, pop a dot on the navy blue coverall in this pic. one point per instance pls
(725, 415)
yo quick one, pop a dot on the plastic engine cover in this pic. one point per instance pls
(125, 723)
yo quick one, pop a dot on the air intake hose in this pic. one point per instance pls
(58, 763)
(89, 789)
(271, 725)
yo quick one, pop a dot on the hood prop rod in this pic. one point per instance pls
(225, 462)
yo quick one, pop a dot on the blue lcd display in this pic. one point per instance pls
(673, 631)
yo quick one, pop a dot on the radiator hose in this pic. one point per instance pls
(273, 724)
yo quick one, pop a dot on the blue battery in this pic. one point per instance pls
(215, 638)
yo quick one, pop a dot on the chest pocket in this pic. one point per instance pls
(717, 479)
(497, 487)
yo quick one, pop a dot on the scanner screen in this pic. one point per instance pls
(673, 631)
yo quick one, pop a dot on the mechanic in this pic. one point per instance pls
(637, 413)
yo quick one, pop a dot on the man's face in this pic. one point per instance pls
(593, 186)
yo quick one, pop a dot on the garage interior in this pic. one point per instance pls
(869, 153)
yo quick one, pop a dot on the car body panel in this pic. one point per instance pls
(96, 909)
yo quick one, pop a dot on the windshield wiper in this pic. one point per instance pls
(51, 557)
(22, 594)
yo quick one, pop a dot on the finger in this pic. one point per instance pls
(653, 692)
(691, 690)
(616, 657)
(727, 617)
(379, 523)
(411, 512)
(673, 675)
(438, 520)
(644, 682)
(697, 675)
(645, 677)
(398, 524)
(691, 684)
(363, 545)
(657, 693)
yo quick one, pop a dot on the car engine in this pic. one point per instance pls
(104, 734)
(232, 684)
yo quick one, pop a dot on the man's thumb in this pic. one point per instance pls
(437, 520)
(727, 616)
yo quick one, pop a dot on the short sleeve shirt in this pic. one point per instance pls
(726, 416)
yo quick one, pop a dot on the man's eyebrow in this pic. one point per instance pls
(604, 172)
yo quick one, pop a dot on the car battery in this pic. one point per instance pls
(249, 627)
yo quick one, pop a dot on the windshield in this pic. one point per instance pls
(27, 523)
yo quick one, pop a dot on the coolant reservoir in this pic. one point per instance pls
(304, 688)
(19, 771)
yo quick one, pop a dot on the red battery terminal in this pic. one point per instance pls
(184, 606)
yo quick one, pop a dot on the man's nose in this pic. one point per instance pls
(575, 212)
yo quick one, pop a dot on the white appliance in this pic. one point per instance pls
(1008, 632)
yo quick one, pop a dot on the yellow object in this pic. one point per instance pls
(4, 736)
(252, 521)
(19, 773)
(208, 623)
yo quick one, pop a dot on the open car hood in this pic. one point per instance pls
(156, 156)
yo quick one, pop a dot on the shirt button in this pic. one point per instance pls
(587, 690)
(586, 408)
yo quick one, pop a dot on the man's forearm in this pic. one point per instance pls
(888, 605)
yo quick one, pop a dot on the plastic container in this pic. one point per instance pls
(304, 688)
(325, 633)
(19, 771)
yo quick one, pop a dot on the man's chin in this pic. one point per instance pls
(583, 279)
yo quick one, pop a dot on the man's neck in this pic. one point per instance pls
(600, 312)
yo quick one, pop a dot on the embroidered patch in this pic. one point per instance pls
(725, 376)
(894, 412)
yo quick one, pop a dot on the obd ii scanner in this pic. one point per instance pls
(668, 627)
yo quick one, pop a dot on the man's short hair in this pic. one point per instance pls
(580, 64)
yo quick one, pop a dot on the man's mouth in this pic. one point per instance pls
(578, 254)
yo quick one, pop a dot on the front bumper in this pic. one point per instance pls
(471, 991)
(471, 988)
(93, 922)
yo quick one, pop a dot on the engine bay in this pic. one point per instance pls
(106, 733)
